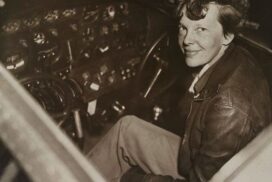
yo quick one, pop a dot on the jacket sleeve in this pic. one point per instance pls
(135, 174)
(225, 130)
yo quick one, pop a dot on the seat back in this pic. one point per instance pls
(262, 54)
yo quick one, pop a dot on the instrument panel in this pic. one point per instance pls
(83, 61)
(97, 47)
(77, 59)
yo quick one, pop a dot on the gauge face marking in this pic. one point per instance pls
(12, 26)
(52, 16)
(39, 38)
(32, 22)
(14, 62)
(69, 12)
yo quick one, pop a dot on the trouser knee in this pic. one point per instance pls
(128, 125)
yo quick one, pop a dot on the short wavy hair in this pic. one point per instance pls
(232, 13)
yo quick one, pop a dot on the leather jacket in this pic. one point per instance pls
(231, 105)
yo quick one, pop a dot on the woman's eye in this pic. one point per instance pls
(201, 29)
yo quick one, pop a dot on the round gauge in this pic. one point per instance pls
(32, 22)
(52, 16)
(12, 26)
(49, 56)
(39, 38)
(15, 61)
(124, 8)
(55, 97)
(91, 14)
(69, 12)
(111, 12)
(47, 48)
(15, 57)
(52, 93)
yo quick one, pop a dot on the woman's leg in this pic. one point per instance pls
(132, 141)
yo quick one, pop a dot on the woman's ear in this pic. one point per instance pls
(228, 38)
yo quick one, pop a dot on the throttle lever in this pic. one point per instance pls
(78, 125)
(161, 65)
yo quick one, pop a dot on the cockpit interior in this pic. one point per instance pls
(87, 63)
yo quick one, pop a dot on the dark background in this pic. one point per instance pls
(261, 12)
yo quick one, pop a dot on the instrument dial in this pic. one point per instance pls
(124, 8)
(69, 12)
(47, 46)
(52, 16)
(32, 22)
(39, 38)
(12, 26)
(91, 14)
(15, 59)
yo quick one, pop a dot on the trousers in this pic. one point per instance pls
(135, 142)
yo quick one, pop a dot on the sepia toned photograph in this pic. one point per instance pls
(135, 90)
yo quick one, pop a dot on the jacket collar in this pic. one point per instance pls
(216, 75)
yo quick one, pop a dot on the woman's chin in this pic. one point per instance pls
(191, 63)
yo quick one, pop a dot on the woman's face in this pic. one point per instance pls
(202, 41)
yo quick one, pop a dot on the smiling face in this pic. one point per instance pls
(202, 41)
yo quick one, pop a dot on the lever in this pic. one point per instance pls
(78, 125)
(159, 69)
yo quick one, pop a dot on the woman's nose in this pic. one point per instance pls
(188, 38)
